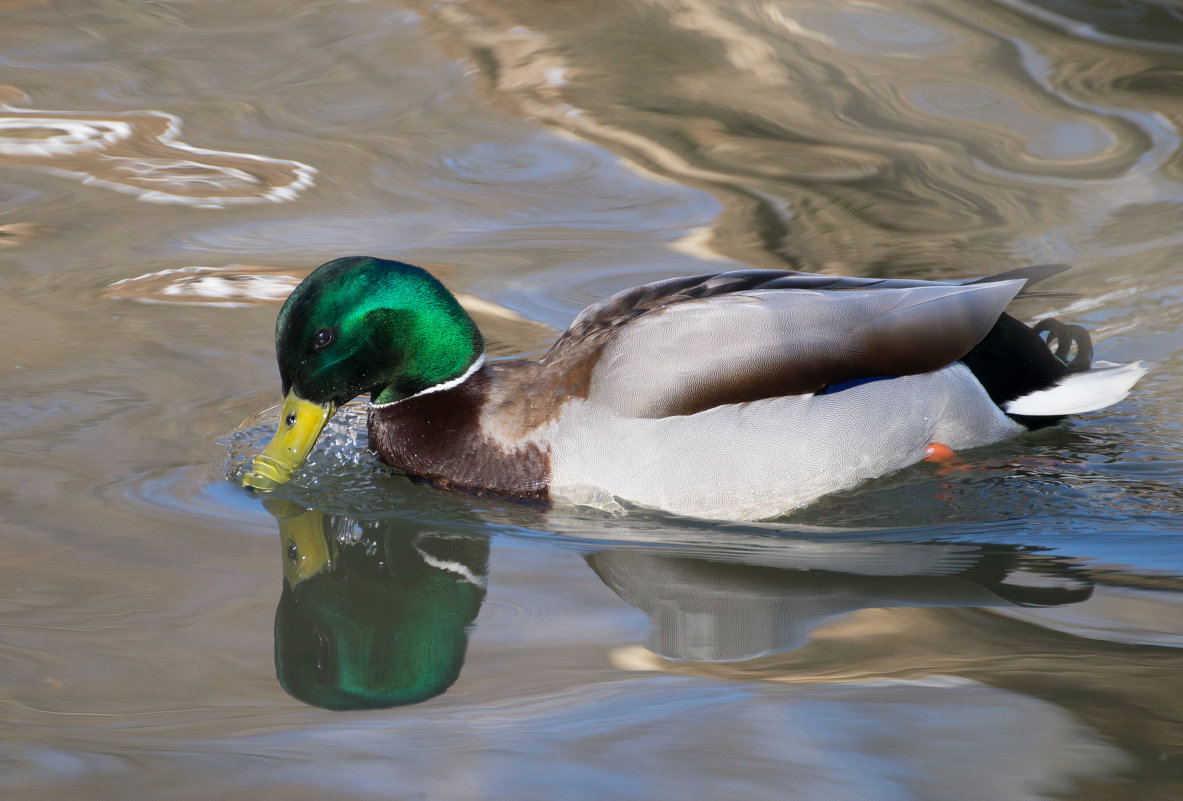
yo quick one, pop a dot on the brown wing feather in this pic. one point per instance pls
(599, 320)
(743, 347)
(903, 343)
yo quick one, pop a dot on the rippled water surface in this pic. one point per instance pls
(1009, 628)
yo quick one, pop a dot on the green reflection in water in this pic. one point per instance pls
(374, 613)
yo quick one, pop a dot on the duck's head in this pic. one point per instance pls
(354, 326)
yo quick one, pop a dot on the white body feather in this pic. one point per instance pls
(757, 460)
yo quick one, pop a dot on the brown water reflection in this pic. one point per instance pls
(923, 136)
(714, 617)
(932, 618)
(1125, 693)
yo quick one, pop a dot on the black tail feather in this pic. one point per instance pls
(1032, 274)
(1014, 360)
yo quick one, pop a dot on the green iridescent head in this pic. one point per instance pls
(377, 623)
(364, 325)
(354, 326)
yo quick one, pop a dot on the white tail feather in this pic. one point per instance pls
(1102, 385)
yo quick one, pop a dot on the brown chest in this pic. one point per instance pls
(438, 436)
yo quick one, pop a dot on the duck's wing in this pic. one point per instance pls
(685, 345)
(597, 322)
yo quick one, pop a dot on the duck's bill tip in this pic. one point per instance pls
(266, 474)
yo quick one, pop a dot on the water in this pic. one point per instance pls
(1005, 629)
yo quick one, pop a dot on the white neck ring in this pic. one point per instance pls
(449, 384)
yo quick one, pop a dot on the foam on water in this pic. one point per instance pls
(340, 459)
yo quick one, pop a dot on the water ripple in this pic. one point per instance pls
(239, 285)
(846, 135)
(140, 152)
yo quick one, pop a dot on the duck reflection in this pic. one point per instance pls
(376, 613)
(373, 613)
(729, 607)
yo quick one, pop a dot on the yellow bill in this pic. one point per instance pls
(300, 423)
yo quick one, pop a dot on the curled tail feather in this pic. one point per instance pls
(1036, 381)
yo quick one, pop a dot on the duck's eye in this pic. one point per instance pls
(324, 337)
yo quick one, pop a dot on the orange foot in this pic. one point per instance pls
(936, 452)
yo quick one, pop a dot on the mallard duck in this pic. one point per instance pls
(739, 395)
